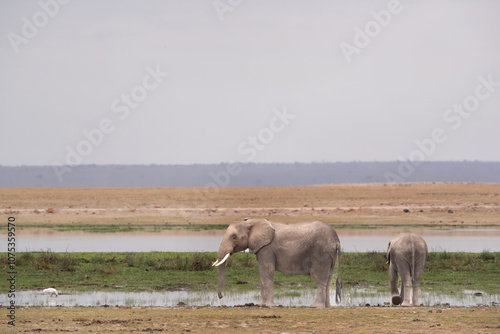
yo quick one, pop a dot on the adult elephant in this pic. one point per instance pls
(306, 248)
(406, 255)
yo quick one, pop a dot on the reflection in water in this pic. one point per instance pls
(353, 240)
(296, 298)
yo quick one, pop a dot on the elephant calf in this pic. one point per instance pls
(406, 255)
(307, 248)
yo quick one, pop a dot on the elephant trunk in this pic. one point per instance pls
(222, 271)
(220, 262)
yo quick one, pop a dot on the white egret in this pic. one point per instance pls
(50, 291)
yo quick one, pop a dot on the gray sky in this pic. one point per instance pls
(85, 82)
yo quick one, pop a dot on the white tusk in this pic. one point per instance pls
(215, 263)
(223, 260)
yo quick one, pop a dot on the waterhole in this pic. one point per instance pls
(299, 297)
(352, 240)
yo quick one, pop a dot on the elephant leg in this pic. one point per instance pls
(329, 282)
(415, 292)
(405, 285)
(328, 290)
(416, 285)
(320, 300)
(393, 275)
(323, 278)
(266, 278)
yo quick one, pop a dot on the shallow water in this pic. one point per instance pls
(296, 298)
(352, 240)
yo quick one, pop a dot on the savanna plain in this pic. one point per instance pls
(120, 210)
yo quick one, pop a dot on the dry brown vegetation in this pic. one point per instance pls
(259, 320)
(357, 204)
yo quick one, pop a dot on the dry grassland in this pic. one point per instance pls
(259, 320)
(351, 204)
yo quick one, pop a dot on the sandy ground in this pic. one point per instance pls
(354, 204)
(259, 320)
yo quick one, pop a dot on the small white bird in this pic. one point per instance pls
(50, 291)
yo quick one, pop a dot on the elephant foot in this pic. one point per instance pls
(396, 300)
(267, 304)
(406, 304)
(318, 305)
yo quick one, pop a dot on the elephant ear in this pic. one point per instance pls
(389, 253)
(261, 234)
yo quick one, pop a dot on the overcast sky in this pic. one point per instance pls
(181, 82)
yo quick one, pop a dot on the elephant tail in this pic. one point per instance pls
(412, 266)
(338, 284)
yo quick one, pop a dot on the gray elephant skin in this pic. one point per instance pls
(406, 255)
(306, 248)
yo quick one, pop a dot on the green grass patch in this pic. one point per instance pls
(175, 271)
